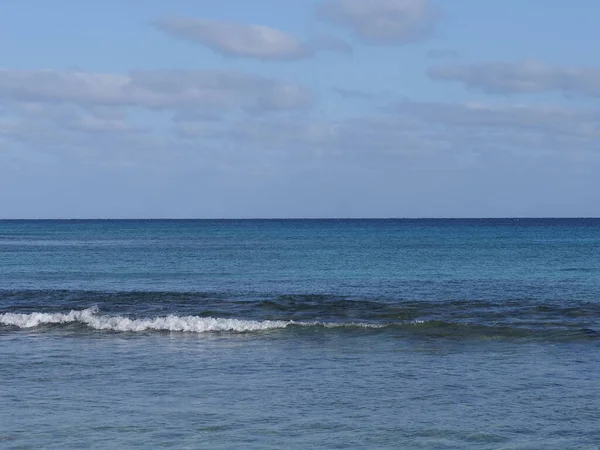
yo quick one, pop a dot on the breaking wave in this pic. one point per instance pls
(91, 319)
(191, 324)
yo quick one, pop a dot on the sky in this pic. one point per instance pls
(299, 108)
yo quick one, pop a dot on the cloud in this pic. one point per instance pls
(226, 114)
(545, 122)
(444, 134)
(115, 119)
(168, 89)
(51, 125)
(382, 22)
(248, 41)
(522, 77)
(327, 42)
(84, 119)
(446, 148)
(355, 94)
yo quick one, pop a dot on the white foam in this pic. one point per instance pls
(91, 318)
(191, 324)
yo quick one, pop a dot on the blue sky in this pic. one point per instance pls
(304, 108)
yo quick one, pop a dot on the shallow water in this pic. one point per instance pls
(296, 334)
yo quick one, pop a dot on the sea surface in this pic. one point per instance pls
(296, 334)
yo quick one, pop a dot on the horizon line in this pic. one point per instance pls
(296, 218)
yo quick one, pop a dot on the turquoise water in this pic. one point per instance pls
(300, 334)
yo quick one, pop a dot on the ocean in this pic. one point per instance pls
(295, 334)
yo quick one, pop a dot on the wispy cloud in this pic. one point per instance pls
(383, 22)
(170, 89)
(522, 77)
(248, 41)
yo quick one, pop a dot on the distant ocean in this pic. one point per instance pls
(295, 334)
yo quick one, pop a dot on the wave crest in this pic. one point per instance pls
(91, 318)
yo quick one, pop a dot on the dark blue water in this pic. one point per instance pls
(297, 334)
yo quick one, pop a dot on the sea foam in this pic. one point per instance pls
(191, 324)
(92, 319)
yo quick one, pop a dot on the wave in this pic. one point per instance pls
(205, 312)
(91, 318)
(191, 324)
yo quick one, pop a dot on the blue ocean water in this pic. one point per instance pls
(300, 334)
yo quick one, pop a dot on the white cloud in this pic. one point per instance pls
(440, 132)
(59, 125)
(522, 77)
(327, 42)
(408, 145)
(383, 22)
(248, 41)
(431, 133)
(542, 119)
(169, 89)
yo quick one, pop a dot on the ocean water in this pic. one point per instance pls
(271, 334)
